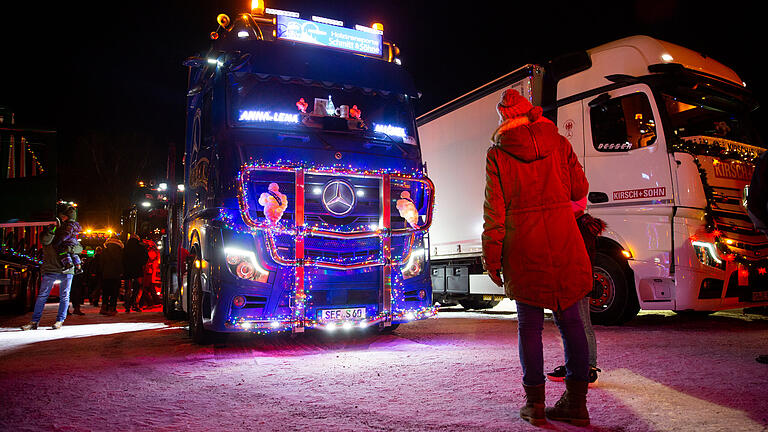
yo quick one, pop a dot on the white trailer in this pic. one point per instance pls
(665, 138)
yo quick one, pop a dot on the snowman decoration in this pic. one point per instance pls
(274, 203)
(407, 209)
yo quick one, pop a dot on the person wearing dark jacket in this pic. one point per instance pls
(532, 247)
(52, 271)
(111, 267)
(134, 258)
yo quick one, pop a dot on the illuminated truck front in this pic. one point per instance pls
(327, 229)
(724, 257)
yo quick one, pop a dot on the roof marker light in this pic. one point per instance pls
(371, 30)
(282, 12)
(327, 21)
(667, 58)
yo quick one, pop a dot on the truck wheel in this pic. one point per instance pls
(477, 302)
(197, 331)
(169, 307)
(612, 302)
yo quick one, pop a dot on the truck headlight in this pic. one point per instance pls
(244, 264)
(707, 254)
(415, 264)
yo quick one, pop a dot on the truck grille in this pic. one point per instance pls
(341, 251)
(732, 220)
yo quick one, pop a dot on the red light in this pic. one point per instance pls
(730, 257)
(744, 273)
(717, 233)
(761, 270)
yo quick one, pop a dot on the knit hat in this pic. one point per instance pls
(513, 105)
(67, 210)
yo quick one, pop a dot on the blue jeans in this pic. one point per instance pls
(588, 330)
(46, 285)
(529, 328)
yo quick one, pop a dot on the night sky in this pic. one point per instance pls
(110, 79)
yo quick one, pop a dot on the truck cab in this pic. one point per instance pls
(668, 146)
(305, 202)
(666, 141)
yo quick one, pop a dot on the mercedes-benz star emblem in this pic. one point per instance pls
(339, 197)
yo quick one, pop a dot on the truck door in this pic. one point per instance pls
(628, 169)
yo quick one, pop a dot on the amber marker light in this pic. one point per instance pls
(257, 7)
(627, 254)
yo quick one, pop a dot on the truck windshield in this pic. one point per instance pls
(711, 111)
(268, 102)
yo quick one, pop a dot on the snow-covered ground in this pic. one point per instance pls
(661, 372)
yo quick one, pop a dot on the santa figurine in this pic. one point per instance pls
(354, 112)
(302, 106)
(274, 203)
(407, 209)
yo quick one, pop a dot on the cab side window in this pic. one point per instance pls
(622, 124)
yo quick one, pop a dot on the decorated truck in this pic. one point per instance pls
(665, 137)
(305, 203)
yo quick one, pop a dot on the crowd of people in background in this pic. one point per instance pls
(113, 266)
(98, 279)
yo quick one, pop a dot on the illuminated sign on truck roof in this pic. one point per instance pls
(331, 36)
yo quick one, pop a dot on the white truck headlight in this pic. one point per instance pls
(244, 264)
(415, 264)
(707, 254)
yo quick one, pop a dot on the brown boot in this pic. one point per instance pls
(533, 410)
(572, 406)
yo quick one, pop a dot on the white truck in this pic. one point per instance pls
(665, 138)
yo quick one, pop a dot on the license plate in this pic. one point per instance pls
(760, 296)
(348, 314)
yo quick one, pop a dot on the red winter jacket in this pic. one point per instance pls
(532, 175)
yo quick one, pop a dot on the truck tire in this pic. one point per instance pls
(477, 302)
(169, 305)
(197, 331)
(612, 302)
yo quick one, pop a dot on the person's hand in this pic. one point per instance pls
(495, 275)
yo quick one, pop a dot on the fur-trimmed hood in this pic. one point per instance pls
(524, 139)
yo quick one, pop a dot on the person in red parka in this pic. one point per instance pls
(532, 246)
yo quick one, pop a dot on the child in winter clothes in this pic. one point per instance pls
(65, 241)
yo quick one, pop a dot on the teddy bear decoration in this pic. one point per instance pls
(274, 203)
(407, 209)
